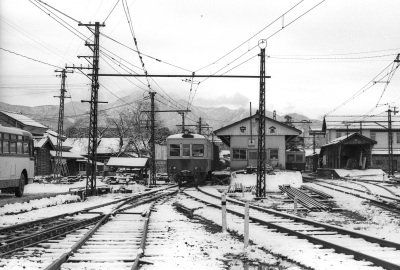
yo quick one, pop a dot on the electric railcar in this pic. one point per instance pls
(191, 157)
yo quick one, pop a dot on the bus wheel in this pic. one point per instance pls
(19, 191)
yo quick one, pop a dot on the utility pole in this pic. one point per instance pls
(60, 129)
(390, 140)
(200, 125)
(152, 141)
(183, 121)
(260, 188)
(91, 167)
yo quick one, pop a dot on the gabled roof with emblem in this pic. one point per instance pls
(279, 127)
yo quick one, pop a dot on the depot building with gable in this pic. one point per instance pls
(242, 139)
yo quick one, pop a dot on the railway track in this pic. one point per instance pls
(373, 251)
(17, 237)
(115, 241)
(390, 204)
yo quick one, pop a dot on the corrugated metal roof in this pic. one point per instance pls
(24, 119)
(127, 162)
(368, 122)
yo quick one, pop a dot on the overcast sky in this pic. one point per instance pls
(315, 63)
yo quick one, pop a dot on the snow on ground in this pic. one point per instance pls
(9, 220)
(190, 246)
(293, 248)
(15, 208)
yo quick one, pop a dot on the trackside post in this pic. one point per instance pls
(223, 207)
(295, 205)
(246, 224)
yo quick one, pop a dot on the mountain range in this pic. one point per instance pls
(214, 117)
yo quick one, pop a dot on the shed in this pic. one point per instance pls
(350, 152)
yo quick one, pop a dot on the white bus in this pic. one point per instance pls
(16, 160)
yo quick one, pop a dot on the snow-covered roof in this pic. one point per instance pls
(106, 146)
(39, 143)
(385, 151)
(348, 137)
(67, 155)
(310, 152)
(127, 162)
(23, 119)
(179, 136)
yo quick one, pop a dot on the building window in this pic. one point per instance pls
(198, 150)
(239, 154)
(273, 153)
(174, 150)
(338, 134)
(186, 150)
(373, 136)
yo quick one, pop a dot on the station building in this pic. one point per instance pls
(241, 138)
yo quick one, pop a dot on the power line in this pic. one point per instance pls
(247, 40)
(111, 12)
(29, 58)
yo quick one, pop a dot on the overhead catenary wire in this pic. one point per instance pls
(30, 58)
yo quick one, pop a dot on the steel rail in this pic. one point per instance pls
(55, 265)
(379, 241)
(356, 254)
(382, 196)
(387, 206)
(50, 234)
(135, 265)
(52, 218)
(316, 191)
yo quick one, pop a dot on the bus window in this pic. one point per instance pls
(13, 147)
(6, 147)
(19, 148)
(26, 148)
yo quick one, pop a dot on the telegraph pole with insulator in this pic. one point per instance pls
(60, 129)
(260, 188)
(91, 167)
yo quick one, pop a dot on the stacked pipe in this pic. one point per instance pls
(304, 199)
(316, 191)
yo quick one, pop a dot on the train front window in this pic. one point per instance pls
(290, 158)
(198, 150)
(299, 158)
(174, 150)
(186, 150)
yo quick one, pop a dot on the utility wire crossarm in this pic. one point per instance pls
(181, 76)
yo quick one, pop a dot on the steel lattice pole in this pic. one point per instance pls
(152, 143)
(92, 145)
(60, 131)
(260, 188)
